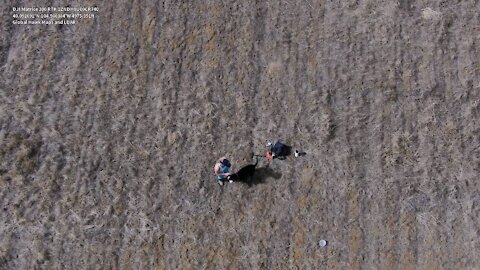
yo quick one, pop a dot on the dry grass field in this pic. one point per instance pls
(109, 130)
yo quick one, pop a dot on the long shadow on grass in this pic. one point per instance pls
(260, 176)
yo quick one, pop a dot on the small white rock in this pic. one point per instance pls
(430, 14)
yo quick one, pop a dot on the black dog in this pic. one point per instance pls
(245, 174)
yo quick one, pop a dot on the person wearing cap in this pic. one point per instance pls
(222, 168)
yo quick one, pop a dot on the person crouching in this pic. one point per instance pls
(222, 170)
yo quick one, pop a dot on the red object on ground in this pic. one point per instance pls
(269, 155)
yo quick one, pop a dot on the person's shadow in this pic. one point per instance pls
(260, 175)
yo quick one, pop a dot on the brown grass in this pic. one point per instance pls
(109, 130)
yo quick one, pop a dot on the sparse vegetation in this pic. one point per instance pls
(109, 131)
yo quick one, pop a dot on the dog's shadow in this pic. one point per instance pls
(260, 176)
